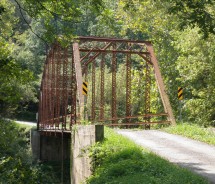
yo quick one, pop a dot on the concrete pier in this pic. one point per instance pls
(83, 136)
(73, 146)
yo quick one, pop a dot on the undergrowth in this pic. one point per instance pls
(193, 131)
(118, 160)
(16, 163)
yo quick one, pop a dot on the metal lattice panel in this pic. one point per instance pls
(61, 101)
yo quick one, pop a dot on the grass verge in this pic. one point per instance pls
(26, 127)
(193, 131)
(119, 160)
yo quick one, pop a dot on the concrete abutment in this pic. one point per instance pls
(47, 146)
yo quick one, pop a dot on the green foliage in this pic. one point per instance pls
(186, 56)
(15, 158)
(25, 115)
(7, 21)
(14, 81)
(17, 80)
(60, 18)
(195, 65)
(193, 131)
(118, 160)
(192, 13)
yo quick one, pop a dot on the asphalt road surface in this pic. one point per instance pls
(194, 155)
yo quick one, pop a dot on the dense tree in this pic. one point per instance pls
(59, 17)
(13, 78)
(16, 164)
(194, 13)
(174, 27)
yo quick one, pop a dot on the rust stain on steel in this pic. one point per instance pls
(147, 93)
(102, 87)
(134, 117)
(114, 65)
(93, 91)
(90, 51)
(146, 59)
(73, 86)
(65, 95)
(128, 87)
(58, 82)
(95, 56)
(142, 123)
(102, 39)
(110, 51)
(53, 85)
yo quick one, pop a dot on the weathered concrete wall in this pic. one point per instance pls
(51, 148)
(48, 147)
(35, 144)
(83, 136)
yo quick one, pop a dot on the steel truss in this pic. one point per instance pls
(62, 103)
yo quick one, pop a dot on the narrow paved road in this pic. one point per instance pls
(194, 155)
(27, 123)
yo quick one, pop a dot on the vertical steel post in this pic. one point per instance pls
(49, 90)
(85, 97)
(128, 87)
(102, 87)
(52, 87)
(114, 65)
(73, 94)
(46, 96)
(93, 91)
(147, 94)
(58, 81)
(64, 88)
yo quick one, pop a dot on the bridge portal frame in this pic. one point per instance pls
(57, 92)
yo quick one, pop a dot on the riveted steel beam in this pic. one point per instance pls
(128, 87)
(114, 67)
(147, 93)
(102, 39)
(160, 84)
(102, 89)
(93, 91)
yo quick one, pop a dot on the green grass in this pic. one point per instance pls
(27, 127)
(16, 164)
(119, 160)
(193, 131)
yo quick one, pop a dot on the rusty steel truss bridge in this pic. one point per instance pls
(63, 101)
